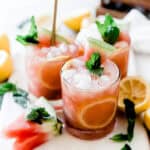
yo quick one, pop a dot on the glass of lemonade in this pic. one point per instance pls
(44, 64)
(90, 101)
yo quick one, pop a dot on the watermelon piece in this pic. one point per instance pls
(30, 142)
(21, 128)
(124, 37)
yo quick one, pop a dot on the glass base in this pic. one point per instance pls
(50, 95)
(90, 134)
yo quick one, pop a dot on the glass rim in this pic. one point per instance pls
(94, 89)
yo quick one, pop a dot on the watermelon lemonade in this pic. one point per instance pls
(44, 66)
(90, 99)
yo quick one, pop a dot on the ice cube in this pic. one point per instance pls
(72, 48)
(78, 63)
(82, 80)
(63, 48)
(53, 52)
(49, 55)
(68, 74)
(104, 80)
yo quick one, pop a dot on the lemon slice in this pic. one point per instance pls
(4, 42)
(137, 90)
(6, 66)
(50, 72)
(60, 58)
(147, 119)
(75, 22)
(99, 114)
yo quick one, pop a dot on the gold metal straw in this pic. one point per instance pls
(53, 37)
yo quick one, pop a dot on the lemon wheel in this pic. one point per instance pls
(99, 114)
(137, 90)
(50, 72)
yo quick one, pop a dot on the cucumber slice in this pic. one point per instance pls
(101, 45)
(45, 33)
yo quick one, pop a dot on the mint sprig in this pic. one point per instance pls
(94, 64)
(31, 37)
(108, 30)
(126, 147)
(120, 137)
(20, 96)
(131, 117)
(38, 115)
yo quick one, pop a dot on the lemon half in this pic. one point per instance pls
(137, 90)
(6, 66)
(75, 22)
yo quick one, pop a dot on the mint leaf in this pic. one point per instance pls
(120, 137)
(93, 64)
(38, 115)
(21, 97)
(131, 117)
(108, 30)
(4, 88)
(7, 87)
(1, 100)
(126, 147)
(31, 37)
(109, 20)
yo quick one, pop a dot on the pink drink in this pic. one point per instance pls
(90, 101)
(44, 66)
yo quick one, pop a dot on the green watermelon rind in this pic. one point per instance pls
(101, 45)
(47, 33)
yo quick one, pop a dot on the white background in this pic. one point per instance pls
(14, 11)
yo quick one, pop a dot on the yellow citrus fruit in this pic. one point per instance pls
(137, 90)
(99, 114)
(4, 42)
(6, 66)
(147, 118)
(75, 22)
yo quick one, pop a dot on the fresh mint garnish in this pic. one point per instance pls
(38, 115)
(108, 30)
(7, 87)
(120, 137)
(20, 96)
(131, 117)
(31, 37)
(126, 147)
(4, 88)
(94, 65)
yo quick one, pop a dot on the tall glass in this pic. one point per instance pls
(90, 113)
